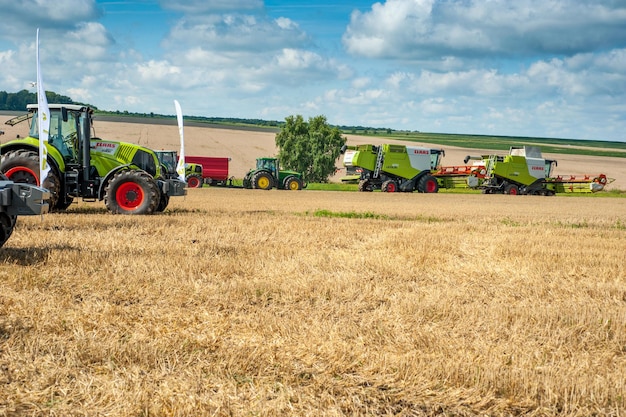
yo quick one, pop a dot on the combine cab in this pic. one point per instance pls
(525, 171)
(127, 177)
(392, 168)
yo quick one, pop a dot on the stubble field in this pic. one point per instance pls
(312, 303)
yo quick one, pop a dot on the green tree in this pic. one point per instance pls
(309, 147)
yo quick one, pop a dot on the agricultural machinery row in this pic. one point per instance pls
(399, 168)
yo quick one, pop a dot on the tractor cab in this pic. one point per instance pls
(269, 164)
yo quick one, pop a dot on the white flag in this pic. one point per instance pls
(43, 122)
(180, 168)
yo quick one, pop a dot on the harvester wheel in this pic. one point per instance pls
(132, 192)
(262, 181)
(293, 183)
(389, 187)
(22, 166)
(428, 184)
(511, 189)
(364, 185)
(194, 181)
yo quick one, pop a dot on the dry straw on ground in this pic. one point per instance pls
(245, 302)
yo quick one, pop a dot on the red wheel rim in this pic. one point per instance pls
(391, 187)
(431, 186)
(129, 195)
(513, 191)
(193, 182)
(22, 175)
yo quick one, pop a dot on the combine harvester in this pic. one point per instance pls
(524, 171)
(392, 168)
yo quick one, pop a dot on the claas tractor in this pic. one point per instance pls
(525, 171)
(169, 162)
(392, 168)
(267, 175)
(126, 176)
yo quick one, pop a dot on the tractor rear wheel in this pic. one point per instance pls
(132, 192)
(293, 183)
(22, 166)
(364, 185)
(262, 181)
(428, 184)
(194, 181)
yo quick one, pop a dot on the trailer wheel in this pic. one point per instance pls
(511, 189)
(194, 181)
(389, 187)
(262, 181)
(132, 192)
(22, 166)
(428, 184)
(293, 184)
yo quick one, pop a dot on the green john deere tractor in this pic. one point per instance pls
(268, 175)
(126, 176)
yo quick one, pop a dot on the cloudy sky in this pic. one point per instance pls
(547, 68)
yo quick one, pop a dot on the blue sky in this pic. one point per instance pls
(554, 68)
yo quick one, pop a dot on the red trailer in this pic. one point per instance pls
(214, 169)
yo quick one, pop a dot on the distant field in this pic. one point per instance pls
(503, 143)
(315, 303)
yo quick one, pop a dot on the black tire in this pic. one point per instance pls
(389, 186)
(511, 189)
(163, 202)
(194, 181)
(262, 180)
(132, 192)
(427, 184)
(364, 185)
(22, 166)
(293, 184)
(7, 223)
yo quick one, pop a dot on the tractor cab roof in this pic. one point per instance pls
(32, 108)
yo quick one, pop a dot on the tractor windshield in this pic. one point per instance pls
(62, 134)
(266, 164)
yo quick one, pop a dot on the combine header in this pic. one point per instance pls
(525, 171)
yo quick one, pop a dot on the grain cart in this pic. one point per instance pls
(19, 200)
(127, 177)
(392, 168)
(525, 171)
(268, 175)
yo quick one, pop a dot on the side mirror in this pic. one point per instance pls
(64, 114)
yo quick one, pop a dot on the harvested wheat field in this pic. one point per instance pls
(274, 303)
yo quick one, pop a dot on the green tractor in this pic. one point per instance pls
(268, 175)
(126, 176)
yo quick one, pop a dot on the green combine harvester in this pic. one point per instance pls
(128, 177)
(524, 171)
(392, 168)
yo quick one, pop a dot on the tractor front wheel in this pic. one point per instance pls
(293, 183)
(7, 223)
(22, 166)
(194, 181)
(132, 192)
(262, 181)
